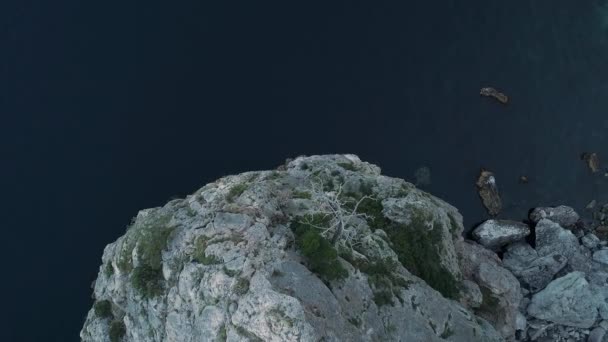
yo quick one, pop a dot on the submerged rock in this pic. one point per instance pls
(494, 234)
(423, 176)
(491, 92)
(488, 191)
(592, 160)
(249, 258)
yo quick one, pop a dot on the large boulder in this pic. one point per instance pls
(534, 271)
(568, 300)
(494, 234)
(500, 290)
(249, 258)
(551, 238)
(563, 215)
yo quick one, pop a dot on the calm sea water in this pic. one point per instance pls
(111, 108)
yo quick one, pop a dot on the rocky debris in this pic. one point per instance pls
(242, 259)
(500, 289)
(533, 271)
(563, 215)
(592, 160)
(551, 238)
(590, 241)
(488, 191)
(567, 300)
(494, 234)
(491, 92)
(597, 335)
(591, 205)
(601, 256)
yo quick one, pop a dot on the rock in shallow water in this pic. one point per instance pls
(567, 300)
(488, 191)
(494, 234)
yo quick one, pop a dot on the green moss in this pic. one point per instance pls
(383, 298)
(366, 187)
(222, 334)
(348, 166)
(274, 175)
(236, 191)
(108, 269)
(200, 245)
(147, 281)
(230, 273)
(117, 331)
(280, 315)
(302, 194)
(433, 326)
(151, 236)
(355, 321)
(103, 309)
(447, 331)
(241, 286)
(453, 225)
(320, 254)
(190, 212)
(245, 333)
(418, 249)
(208, 260)
(489, 303)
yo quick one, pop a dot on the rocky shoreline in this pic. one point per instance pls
(562, 269)
(326, 248)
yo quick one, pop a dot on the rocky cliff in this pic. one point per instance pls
(324, 248)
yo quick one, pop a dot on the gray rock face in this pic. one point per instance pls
(494, 234)
(567, 300)
(500, 289)
(224, 265)
(551, 238)
(590, 241)
(563, 215)
(532, 270)
(601, 256)
(596, 335)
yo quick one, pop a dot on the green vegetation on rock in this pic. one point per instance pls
(117, 331)
(320, 254)
(348, 166)
(103, 309)
(147, 281)
(302, 194)
(418, 247)
(150, 235)
(236, 191)
(241, 286)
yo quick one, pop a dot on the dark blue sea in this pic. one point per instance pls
(110, 107)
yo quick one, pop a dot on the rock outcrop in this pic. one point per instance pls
(494, 234)
(563, 215)
(264, 256)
